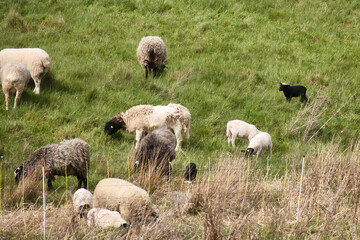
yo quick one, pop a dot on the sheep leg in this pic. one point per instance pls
(178, 137)
(7, 99)
(37, 81)
(303, 98)
(50, 186)
(17, 97)
(233, 138)
(138, 137)
(146, 71)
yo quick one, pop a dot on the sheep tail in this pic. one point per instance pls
(188, 129)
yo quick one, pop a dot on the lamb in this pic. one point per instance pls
(119, 195)
(104, 218)
(258, 143)
(158, 149)
(82, 202)
(70, 155)
(190, 172)
(293, 91)
(241, 129)
(36, 60)
(151, 53)
(148, 118)
(13, 77)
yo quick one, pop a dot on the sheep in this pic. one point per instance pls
(151, 54)
(104, 218)
(82, 202)
(241, 129)
(293, 91)
(147, 118)
(13, 77)
(158, 149)
(190, 172)
(258, 143)
(36, 60)
(70, 155)
(119, 195)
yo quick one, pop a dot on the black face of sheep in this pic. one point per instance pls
(249, 152)
(18, 173)
(113, 125)
(83, 210)
(293, 91)
(190, 172)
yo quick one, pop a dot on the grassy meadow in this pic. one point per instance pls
(225, 61)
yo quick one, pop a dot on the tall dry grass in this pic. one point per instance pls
(234, 200)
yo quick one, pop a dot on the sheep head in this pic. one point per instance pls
(113, 125)
(282, 86)
(249, 152)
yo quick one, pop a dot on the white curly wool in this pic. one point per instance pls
(36, 60)
(82, 201)
(14, 77)
(105, 218)
(258, 143)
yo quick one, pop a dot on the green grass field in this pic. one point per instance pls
(225, 61)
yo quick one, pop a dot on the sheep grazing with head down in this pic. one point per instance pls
(157, 149)
(293, 91)
(104, 218)
(70, 157)
(258, 143)
(241, 129)
(13, 77)
(148, 118)
(151, 53)
(119, 195)
(36, 60)
(82, 202)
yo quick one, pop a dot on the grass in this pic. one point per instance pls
(225, 59)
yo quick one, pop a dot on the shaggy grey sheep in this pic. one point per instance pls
(158, 149)
(72, 155)
(151, 53)
(36, 60)
(13, 77)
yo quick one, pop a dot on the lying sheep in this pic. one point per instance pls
(13, 77)
(190, 172)
(82, 202)
(241, 129)
(70, 155)
(157, 149)
(151, 53)
(148, 118)
(293, 91)
(258, 143)
(119, 195)
(104, 218)
(36, 60)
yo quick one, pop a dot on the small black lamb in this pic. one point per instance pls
(190, 172)
(293, 91)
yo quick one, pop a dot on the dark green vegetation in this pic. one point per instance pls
(225, 59)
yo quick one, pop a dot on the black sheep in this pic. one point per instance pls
(293, 91)
(190, 172)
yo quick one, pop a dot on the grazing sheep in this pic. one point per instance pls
(241, 129)
(258, 143)
(13, 77)
(158, 149)
(151, 53)
(82, 202)
(104, 218)
(190, 172)
(293, 91)
(36, 60)
(72, 155)
(148, 118)
(119, 195)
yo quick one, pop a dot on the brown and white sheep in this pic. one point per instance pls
(148, 118)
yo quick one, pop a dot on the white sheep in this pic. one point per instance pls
(119, 195)
(258, 143)
(13, 77)
(36, 60)
(151, 53)
(148, 118)
(82, 202)
(105, 218)
(241, 129)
